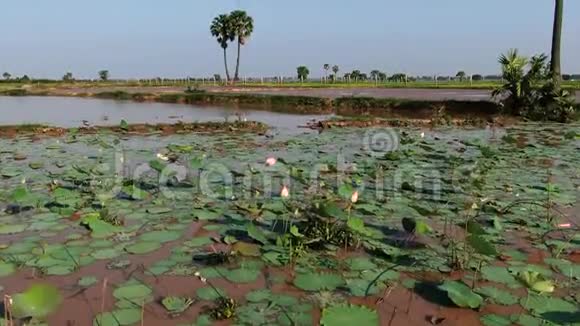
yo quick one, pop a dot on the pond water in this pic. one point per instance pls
(73, 112)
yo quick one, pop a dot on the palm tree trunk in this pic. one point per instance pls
(556, 43)
(226, 64)
(236, 77)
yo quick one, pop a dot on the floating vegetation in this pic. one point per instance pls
(280, 231)
(225, 308)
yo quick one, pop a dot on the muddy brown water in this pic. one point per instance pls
(71, 112)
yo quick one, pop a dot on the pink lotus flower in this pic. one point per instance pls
(285, 193)
(354, 197)
(270, 161)
(565, 225)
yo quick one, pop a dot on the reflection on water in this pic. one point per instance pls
(75, 112)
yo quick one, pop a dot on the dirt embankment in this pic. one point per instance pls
(39, 131)
(423, 104)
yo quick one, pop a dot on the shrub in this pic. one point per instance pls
(529, 92)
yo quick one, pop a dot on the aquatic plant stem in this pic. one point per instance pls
(393, 316)
(77, 265)
(525, 304)
(8, 310)
(103, 293)
(143, 313)
(475, 274)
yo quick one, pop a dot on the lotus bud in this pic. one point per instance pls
(285, 193)
(354, 197)
(270, 161)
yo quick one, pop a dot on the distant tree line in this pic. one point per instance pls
(302, 73)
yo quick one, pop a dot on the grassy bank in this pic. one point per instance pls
(453, 84)
(345, 106)
(369, 106)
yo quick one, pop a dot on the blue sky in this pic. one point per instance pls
(149, 38)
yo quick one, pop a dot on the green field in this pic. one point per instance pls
(257, 83)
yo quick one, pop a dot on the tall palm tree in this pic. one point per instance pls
(242, 26)
(335, 70)
(375, 74)
(556, 43)
(221, 29)
(326, 68)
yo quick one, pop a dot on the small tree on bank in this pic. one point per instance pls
(68, 77)
(302, 72)
(528, 91)
(326, 67)
(335, 70)
(104, 75)
(6, 75)
(461, 75)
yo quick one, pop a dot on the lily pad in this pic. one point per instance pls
(132, 291)
(143, 247)
(176, 305)
(160, 236)
(10, 172)
(364, 288)
(120, 317)
(38, 301)
(481, 245)
(98, 227)
(461, 294)
(107, 253)
(495, 320)
(294, 318)
(198, 242)
(242, 275)
(497, 295)
(259, 295)
(87, 281)
(256, 233)
(500, 275)
(12, 228)
(318, 281)
(206, 215)
(209, 293)
(348, 316)
(540, 304)
(565, 267)
(360, 263)
(6, 269)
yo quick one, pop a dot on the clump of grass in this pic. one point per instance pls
(225, 308)
(14, 92)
